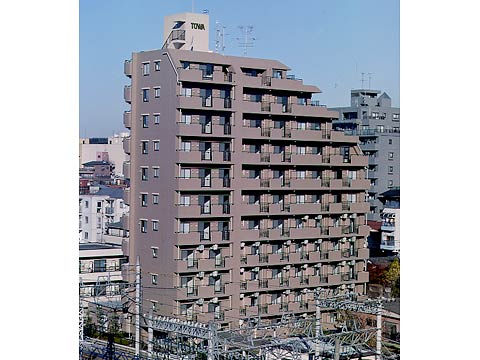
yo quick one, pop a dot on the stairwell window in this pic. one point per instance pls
(156, 119)
(154, 225)
(156, 145)
(157, 65)
(156, 172)
(154, 279)
(155, 198)
(146, 69)
(145, 95)
(143, 226)
(145, 121)
(144, 147)
(144, 173)
(157, 92)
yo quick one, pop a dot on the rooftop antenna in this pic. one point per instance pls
(246, 41)
(363, 80)
(219, 38)
(369, 79)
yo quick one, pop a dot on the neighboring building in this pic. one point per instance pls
(390, 215)
(104, 149)
(377, 123)
(243, 200)
(100, 172)
(98, 208)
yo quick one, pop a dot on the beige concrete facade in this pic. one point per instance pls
(243, 200)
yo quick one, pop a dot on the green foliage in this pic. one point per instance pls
(392, 273)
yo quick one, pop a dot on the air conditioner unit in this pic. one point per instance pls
(256, 269)
(200, 247)
(319, 241)
(344, 239)
(215, 273)
(287, 267)
(304, 291)
(214, 247)
(352, 240)
(242, 296)
(305, 266)
(344, 216)
(242, 270)
(200, 301)
(305, 218)
(289, 242)
(242, 245)
(351, 286)
(319, 217)
(305, 241)
(287, 292)
(352, 262)
(214, 300)
(343, 263)
(343, 287)
(318, 265)
(257, 244)
(256, 294)
(200, 274)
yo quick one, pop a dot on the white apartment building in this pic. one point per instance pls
(97, 210)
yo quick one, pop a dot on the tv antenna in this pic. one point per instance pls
(369, 79)
(246, 40)
(363, 80)
(219, 38)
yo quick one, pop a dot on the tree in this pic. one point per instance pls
(392, 274)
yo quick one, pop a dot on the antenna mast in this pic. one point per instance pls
(369, 79)
(219, 38)
(246, 41)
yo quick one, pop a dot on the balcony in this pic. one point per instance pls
(126, 169)
(127, 94)
(195, 210)
(198, 183)
(197, 156)
(126, 196)
(195, 74)
(199, 103)
(210, 130)
(314, 109)
(127, 68)
(126, 145)
(127, 119)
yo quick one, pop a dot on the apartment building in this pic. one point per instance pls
(390, 215)
(243, 200)
(372, 118)
(108, 149)
(100, 206)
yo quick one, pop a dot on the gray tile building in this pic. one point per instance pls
(372, 118)
(243, 200)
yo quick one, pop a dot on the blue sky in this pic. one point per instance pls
(328, 43)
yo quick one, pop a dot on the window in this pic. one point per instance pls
(154, 252)
(390, 183)
(395, 117)
(380, 128)
(143, 226)
(277, 74)
(301, 150)
(301, 174)
(86, 204)
(301, 125)
(184, 200)
(390, 141)
(300, 199)
(86, 219)
(154, 225)
(157, 65)
(154, 305)
(145, 95)
(390, 169)
(143, 198)
(154, 279)
(157, 92)
(85, 235)
(144, 147)
(145, 121)
(185, 173)
(144, 172)
(156, 172)
(184, 227)
(390, 156)
(186, 119)
(156, 145)
(185, 146)
(146, 69)
(155, 198)
(186, 92)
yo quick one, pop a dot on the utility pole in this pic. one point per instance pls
(150, 335)
(318, 325)
(378, 355)
(137, 307)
